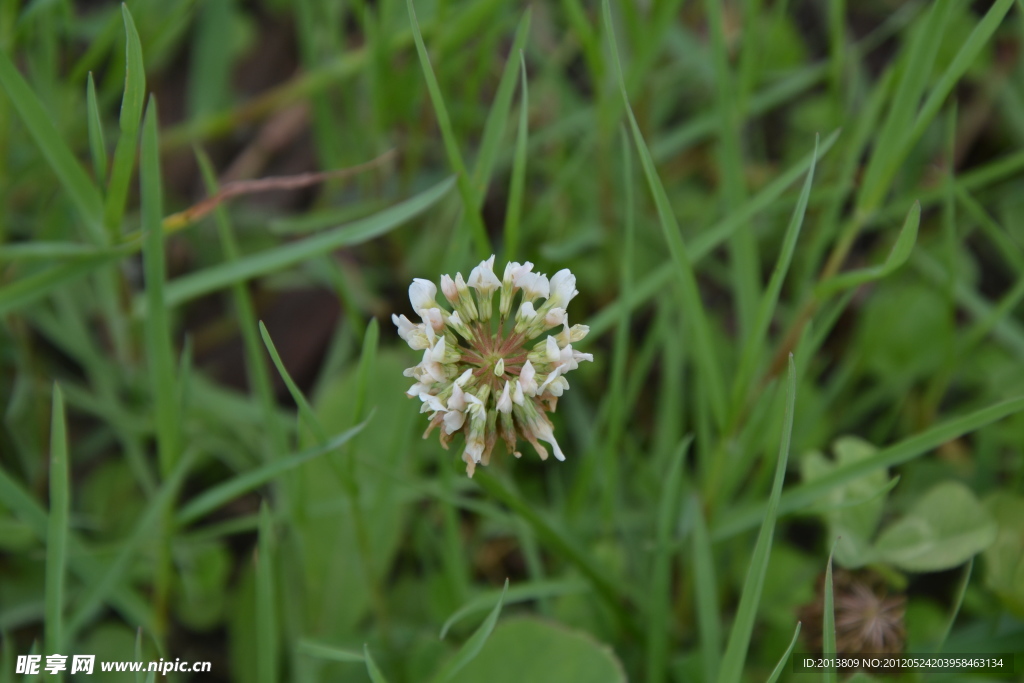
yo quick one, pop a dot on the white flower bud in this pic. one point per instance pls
(422, 293)
(563, 288)
(499, 367)
(483, 279)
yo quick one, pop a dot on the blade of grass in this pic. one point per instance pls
(754, 345)
(706, 242)
(660, 594)
(266, 604)
(828, 626)
(306, 412)
(212, 498)
(329, 652)
(897, 257)
(131, 112)
(83, 192)
(777, 671)
(97, 145)
(57, 527)
(609, 590)
(371, 667)
(497, 117)
(159, 353)
(256, 367)
(465, 186)
(524, 592)
(914, 446)
(743, 626)
(115, 574)
(961, 591)
(706, 358)
(709, 618)
(514, 208)
(271, 260)
(471, 648)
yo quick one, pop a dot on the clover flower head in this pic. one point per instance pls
(485, 377)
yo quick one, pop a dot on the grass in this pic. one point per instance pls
(788, 224)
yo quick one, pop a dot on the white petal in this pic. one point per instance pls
(527, 379)
(453, 421)
(505, 402)
(552, 350)
(464, 377)
(457, 401)
(449, 289)
(422, 293)
(563, 287)
(482, 278)
(517, 394)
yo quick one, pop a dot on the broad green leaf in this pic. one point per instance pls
(946, 527)
(533, 650)
(1004, 559)
(854, 509)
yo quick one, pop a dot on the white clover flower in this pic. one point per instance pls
(485, 377)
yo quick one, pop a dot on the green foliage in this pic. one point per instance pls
(204, 429)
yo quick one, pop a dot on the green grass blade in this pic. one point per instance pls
(157, 326)
(57, 527)
(97, 145)
(743, 626)
(828, 626)
(706, 358)
(329, 652)
(514, 208)
(471, 648)
(271, 260)
(266, 604)
(306, 412)
(781, 666)
(755, 343)
(961, 591)
(497, 117)
(138, 652)
(470, 202)
(533, 590)
(131, 112)
(706, 242)
(660, 593)
(897, 454)
(212, 498)
(709, 616)
(116, 573)
(83, 192)
(256, 367)
(371, 667)
(899, 254)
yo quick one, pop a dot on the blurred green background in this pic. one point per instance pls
(731, 183)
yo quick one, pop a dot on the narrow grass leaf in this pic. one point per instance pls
(897, 257)
(97, 591)
(131, 112)
(328, 652)
(804, 494)
(781, 666)
(743, 626)
(266, 603)
(828, 626)
(755, 342)
(497, 117)
(371, 667)
(660, 594)
(961, 591)
(471, 648)
(306, 411)
(212, 498)
(57, 528)
(707, 241)
(514, 208)
(138, 652)
(533, 590)
(84, 194)
(707, 361)
(159, 353)
(470, 202)
(271, 260)
(97, 144)
(709, 616)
